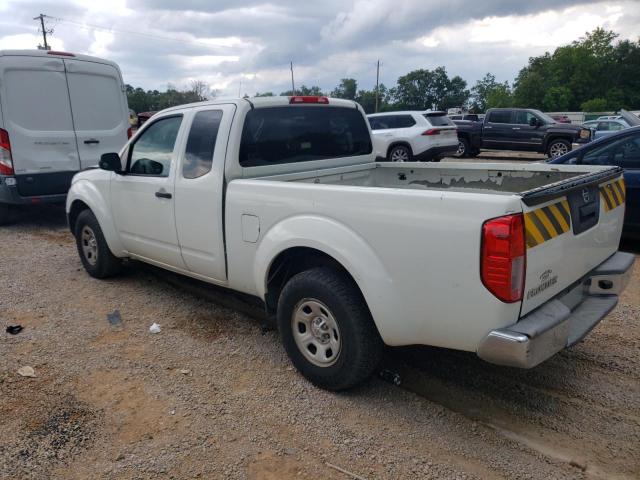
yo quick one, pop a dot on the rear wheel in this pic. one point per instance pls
(558, 147)
(327, 330)
(94, 252)
(5, 213)
(400, 153)
(463, 148)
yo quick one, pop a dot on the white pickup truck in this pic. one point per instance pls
(280, 198)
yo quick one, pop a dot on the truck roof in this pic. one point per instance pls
(259, 102)
(55, 54)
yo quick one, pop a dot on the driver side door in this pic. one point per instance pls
(142, 199)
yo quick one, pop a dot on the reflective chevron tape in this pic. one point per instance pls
(613, 194)
(546, 223)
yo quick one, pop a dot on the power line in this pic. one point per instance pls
(90, 26)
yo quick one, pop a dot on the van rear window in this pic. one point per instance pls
(439, 120)
(302, 133)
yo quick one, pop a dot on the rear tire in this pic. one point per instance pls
(400, 153)
(463, 148)
(5, 213)
(558, 147)
(327, 330)
(94, 252)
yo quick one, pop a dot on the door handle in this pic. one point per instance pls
(163, 194)
(487, 127)
(91, 140)
(515, 128)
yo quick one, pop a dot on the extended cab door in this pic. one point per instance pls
(498, 131)
(142, 199)
(199, 191)
(98, 105)
(528, 136)
(37, 117)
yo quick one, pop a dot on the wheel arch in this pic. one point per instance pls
(557, 136)
(305, 242)
(397, 143)
(84, 195)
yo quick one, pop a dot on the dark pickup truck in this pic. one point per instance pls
(519, 129)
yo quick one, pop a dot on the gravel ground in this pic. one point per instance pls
(212, 396)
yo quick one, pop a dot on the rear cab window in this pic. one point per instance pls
(499, 116)
(277, 135)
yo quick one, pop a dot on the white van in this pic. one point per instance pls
(59, 112)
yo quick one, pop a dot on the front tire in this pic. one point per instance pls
(558, 147)
(94, 252)
(400, 153)
(327, 330)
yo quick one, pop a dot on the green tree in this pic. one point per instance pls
(313, 91)
(424, 89)
(367, 98)
(347, 89)
(594, 105)
(264, 94)
(488, 88)
(597, 66)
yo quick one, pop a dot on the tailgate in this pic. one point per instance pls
(571, 227)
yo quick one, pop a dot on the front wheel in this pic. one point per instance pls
(327, 330)
(94, 252)
(400, 153)
(558, 148)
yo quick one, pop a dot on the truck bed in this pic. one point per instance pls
(496, 178)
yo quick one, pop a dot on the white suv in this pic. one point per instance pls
(413, 136)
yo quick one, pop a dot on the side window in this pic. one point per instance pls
(381, 123)
(603, 126)
(500, 116)
(615, 126)
(152, 152)
(404, 121)
(198, 156)
(523, 118)
(624, 152)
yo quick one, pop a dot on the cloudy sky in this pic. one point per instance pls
(246, 45)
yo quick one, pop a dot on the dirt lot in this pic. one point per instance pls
(211, 396)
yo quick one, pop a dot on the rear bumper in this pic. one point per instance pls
(9, 194)
(562, 321)
(434, 152)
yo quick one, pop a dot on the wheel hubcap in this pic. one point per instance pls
(558, 149)
(399, 155)
(461, 149)
(89, 245)
(316, 332)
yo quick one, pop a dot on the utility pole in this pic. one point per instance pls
(44, 32)
(293, 86)
(377, 83)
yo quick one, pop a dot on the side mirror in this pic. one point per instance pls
(110, 162)
(533, 121)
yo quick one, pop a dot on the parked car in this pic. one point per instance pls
(281, 198)
(603, 128)
(622, 149)
(413, 136)
(526, 130)
(467, 116)
(144, 116)
(59, 112)
(561, 118)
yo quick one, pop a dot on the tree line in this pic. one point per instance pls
(596, 73)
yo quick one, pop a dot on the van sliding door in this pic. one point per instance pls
(98, 108)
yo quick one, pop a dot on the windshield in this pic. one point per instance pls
(546, 118)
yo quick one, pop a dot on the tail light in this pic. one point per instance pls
(308, 99)
(432, 131)
(129, 132)
(503, 261)
(6, 163)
